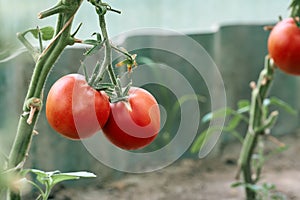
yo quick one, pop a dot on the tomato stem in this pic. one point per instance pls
(256, 127)
(33, 51)
(44, 63)
(107, 63)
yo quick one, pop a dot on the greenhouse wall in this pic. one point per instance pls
(237, 50)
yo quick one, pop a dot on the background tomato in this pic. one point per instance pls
(135, 123)
(74, 109)
(284, 46)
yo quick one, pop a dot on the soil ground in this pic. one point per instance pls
(207, 179)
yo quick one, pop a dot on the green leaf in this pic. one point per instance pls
(243, 103)
(269, 186)
(199, 142)
(34, 32)
(59, 177)
(98, 36)
(219, 113)
(47, 32)
(253, 187)
(196, 146)
(54, 177)
(237, 184)
(227, 112)
(233, 122)
(97, 46)
(90, 42)
(280, 103)
(41, 176)
(243, 106)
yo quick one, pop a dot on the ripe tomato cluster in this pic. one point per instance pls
(284, 46)
(76, 110)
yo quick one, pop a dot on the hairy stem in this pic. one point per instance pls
(107, 63)
(256, 121)
(21, 145)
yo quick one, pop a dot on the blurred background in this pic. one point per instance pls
(193, 16)
(230, 31)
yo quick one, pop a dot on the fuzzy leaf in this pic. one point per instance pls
(47, 32)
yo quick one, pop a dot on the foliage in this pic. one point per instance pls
(47, 180)
(258, 115)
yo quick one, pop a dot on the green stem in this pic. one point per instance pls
(256, 121)
(40, 40)
(21, 145)
(107, 63)
(34, 53)
(108, 57)
(59, 8)
(47, 191)
(121, 51)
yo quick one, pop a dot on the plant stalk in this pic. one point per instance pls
(44, 64)
(107, 63)
(256, 121)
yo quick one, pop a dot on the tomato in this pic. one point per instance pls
(74, 109)
(284, 46)
(134, 123)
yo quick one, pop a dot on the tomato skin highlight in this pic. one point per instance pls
(135, 123)
(284, 46)
(74, 109)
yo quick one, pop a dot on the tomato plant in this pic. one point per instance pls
(74, 109)
(284, 46)
(134, 123)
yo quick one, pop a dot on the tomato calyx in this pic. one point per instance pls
(115, 91)
(120, 94)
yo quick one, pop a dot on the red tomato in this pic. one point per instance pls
(135, 123)
(74, 109)
(284, 46)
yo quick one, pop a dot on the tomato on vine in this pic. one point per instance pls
(74, 109)
(284, 46)
(134, 123)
